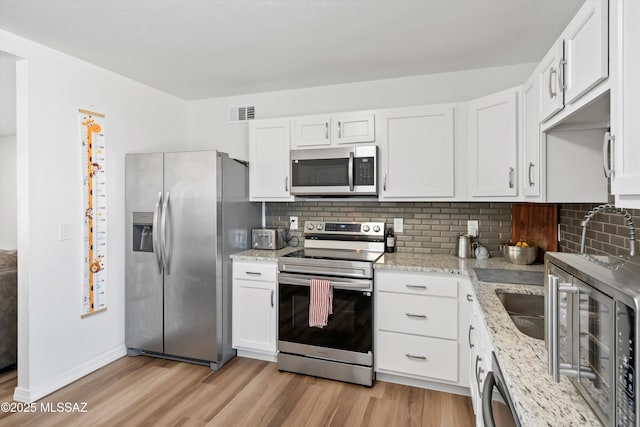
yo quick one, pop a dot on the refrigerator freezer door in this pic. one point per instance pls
(191, 246)
(143, 288)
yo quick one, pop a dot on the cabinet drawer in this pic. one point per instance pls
(421, 356)
(416, 283)
(419, 315)
(255, 271)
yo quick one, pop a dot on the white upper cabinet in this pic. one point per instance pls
(625, 103)
(321, 131)
(578, 61)
(586, 45)
(493, 142)
(551, 94)
(417, 146)
(311, 131)
(269, 160)
(354, 128)
(530, 138)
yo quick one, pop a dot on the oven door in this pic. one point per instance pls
(334, 171)
(348, 334)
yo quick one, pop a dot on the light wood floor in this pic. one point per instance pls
(148, 391)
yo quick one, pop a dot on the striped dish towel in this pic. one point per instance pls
(320, 302)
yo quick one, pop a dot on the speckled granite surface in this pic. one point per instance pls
(263, 255)
(445, 263)
(523, 360)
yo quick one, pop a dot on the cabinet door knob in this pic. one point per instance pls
(416, 316)
(561, 82)
(531, 165)
(413, 356)
(552, 94)
(607, 154)
(469, 297)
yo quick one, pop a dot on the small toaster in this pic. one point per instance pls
(268, 238)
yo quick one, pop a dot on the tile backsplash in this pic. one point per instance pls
(433, 227)
(607, 233)
(429, 227)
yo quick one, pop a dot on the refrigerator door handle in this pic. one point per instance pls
(163, 234)
(156, 230)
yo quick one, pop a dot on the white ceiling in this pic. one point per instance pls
(197, 49)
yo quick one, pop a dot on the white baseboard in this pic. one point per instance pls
(431, 385)
(32, 394)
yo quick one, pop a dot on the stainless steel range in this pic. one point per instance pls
(342, 253)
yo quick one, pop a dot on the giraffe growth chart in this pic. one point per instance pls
(95, 212)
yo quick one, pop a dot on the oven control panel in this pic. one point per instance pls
(346, 228)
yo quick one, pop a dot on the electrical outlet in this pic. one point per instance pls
(293, 223)
(472, 228)
(398, 225)
(64, 231)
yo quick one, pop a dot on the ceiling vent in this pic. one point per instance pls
(242, 113)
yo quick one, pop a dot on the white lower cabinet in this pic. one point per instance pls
(255, 299)
(479, 360)
(417, 355)
(420, 329)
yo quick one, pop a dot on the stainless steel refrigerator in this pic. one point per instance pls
(185, 214)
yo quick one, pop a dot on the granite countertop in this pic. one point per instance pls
(263, 254)
(445, 264)
(538, 400)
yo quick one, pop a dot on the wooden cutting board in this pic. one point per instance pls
(535, 223)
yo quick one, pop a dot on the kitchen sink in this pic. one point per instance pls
(526, 312)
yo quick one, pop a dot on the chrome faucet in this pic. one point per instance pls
(610, 208)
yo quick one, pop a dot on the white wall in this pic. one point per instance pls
(8, 193)
(56, 346)
(208, 119)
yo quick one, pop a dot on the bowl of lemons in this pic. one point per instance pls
(519, 253)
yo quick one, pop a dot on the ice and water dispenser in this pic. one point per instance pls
(143, 231)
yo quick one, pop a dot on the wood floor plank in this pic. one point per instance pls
(144, 391)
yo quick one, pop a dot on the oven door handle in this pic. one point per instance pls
(338, 283)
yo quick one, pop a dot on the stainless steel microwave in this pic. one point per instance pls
(341, 171)
(592, 330)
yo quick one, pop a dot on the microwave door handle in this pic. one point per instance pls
(351, 171)
(571, 369)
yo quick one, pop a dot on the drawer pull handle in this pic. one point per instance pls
(416, 287)
(253, 273)
(416, 316)
(413, 356)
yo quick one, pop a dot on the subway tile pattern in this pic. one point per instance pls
(429, 227)
(606, 233)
